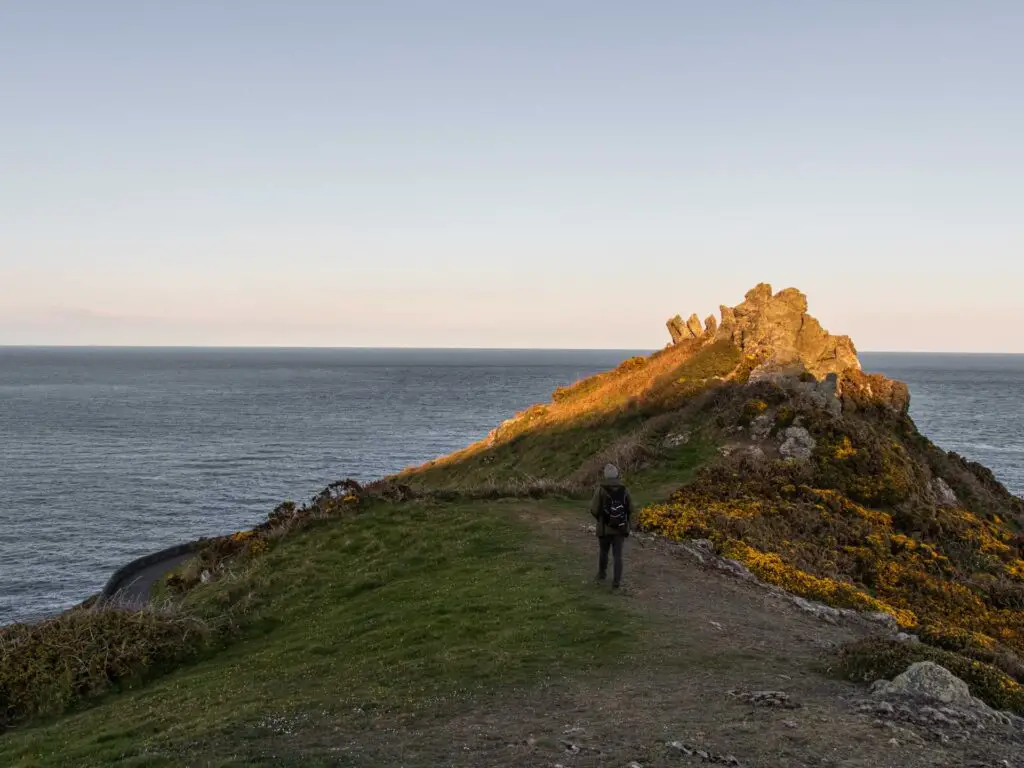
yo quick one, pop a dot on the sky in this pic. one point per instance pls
(567, 173)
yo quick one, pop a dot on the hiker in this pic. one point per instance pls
(612, 507)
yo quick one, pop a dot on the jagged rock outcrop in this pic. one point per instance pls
(683, 330)
(859, 390)
(677, 330)
(694, 327)
(775, 329)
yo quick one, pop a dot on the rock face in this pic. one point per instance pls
(859, 390)
(776, 330)
(694, 327)
(944, 494)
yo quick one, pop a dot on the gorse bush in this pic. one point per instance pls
(51, 665)
(819, 543)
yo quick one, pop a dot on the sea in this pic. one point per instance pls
(108, 454)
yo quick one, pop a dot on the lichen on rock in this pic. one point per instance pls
(798, 444)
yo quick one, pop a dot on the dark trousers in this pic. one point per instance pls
(614, 543)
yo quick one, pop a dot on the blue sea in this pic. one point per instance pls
(107, 454)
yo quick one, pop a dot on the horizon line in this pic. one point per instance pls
(271, 347)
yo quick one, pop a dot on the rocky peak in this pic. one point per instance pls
(775, 329)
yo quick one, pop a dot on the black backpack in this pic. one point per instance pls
(613, 509)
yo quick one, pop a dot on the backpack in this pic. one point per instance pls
(613, 509)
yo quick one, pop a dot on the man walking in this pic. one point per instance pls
(612, 507)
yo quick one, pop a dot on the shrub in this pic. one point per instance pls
(751, 410)
(51, 665)
(784, 418)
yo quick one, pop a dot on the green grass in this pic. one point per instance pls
(675, 467)
(402, 609)
(551, 452)
(616, 416)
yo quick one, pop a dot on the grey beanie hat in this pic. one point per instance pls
(611, 472)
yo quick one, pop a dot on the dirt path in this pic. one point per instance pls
(710, 634)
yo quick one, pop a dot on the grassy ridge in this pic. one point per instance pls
(619, 416)
(401, 608)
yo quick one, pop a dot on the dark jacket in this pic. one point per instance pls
(596, 504)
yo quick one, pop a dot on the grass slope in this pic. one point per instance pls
(620, 416)
(399, 609)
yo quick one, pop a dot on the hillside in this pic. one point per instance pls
(446, 615)
(816, 478)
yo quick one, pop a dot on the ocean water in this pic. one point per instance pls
(970, 404)
(107, 454)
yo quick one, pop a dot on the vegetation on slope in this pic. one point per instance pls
(619, 416)
(401, 607)
(859, 525)
(52, 665)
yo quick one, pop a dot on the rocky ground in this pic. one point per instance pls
(732, 673)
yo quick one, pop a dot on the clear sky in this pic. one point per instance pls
(566, 173)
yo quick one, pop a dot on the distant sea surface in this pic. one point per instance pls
(108, 454)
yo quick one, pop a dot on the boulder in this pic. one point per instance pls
(694, 327)
(710, 325)
(928, 680)
(797, 444)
